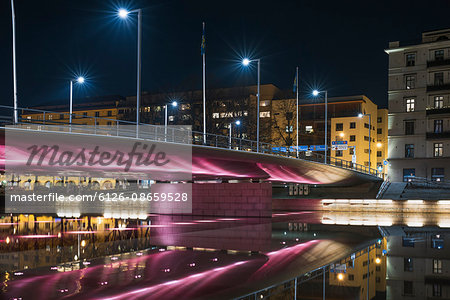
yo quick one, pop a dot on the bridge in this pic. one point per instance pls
(213, 156)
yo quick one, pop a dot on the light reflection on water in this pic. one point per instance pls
(195, 247)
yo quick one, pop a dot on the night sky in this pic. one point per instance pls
(338, 45)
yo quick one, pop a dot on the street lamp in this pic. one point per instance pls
(13, 21)
(80, 80)
(123, 14)
(370, 130)
(246, 62)
(174, 104)
(315, 94)
(230, 130)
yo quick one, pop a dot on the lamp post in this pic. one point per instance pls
(174, 104)
(230, 126)
(123, 13)
(79, 80)
(316, 93)
(246, 62)
(370, 138)
(13, 21)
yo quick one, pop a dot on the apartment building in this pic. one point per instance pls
(419, 108)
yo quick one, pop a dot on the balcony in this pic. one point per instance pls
(438, 136)
(439, 62)
(438, 111)
(438, 87)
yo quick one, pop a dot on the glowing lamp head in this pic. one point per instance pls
(377, 260)
(360, 115)
(83, 243)
(238, 122)
(340, 276)
(341, 134)
(123, 13)
(379, 145)
(174, 103)
(246, 61)
(315, 93)
(80, 79)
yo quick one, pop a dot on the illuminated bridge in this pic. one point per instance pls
(214, 157)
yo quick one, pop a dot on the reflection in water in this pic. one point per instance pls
(95, 256)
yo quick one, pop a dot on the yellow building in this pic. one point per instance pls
(99, 111)
(362, 131)
(361, 271)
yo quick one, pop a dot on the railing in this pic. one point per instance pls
(438, 62)
(438, 87)
(113, 127)
(427, 183)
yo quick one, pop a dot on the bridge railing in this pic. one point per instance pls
(82, 124)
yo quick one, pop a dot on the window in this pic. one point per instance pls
(437, 266)
(50, 117)
(264, 114)
(379, 153)
(352, 125)
(410, 81)
(439, 54)
(437, 290)
(438, 149)
(438, 125)
(265, 103)
(378, 279)
(410, 104)
(366, 138)
(215, 115)
(437, 174)
(109, 123)
(379, 120)
(366, 125)
(339, 126)
(61, 116)
(309, 129)
(339, 153)
(408, 288)
(410, 59)
(437, 241)
(408, 264)
(378, 268)
(85, 114)
(409, 127)
(408, 175)
(109, 113)
(97, 114)
(351, 277)
(352, 138)
(121, 111)
(439, 78)
(379, 131)
(409, 151)
(352, 151)
(438, 101)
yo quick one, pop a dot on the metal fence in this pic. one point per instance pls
(36, 119)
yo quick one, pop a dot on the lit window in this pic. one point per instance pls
(215, 115)
(264, 114)
(409, 150)
(437, 266)
(438, 102)
(438, 149)
(410, 104)
(437, 241)
(265, 103)
(438, 125)
(309, 129)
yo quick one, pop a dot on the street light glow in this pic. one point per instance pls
(246, 61)
(379, 145)
(80, 79)
(238, 122)
(360, 115)
(174, 103)
(341, 134)
(123, 13)
(315, 92)
(340, 276)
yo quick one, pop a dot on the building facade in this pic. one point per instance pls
(419, 108)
